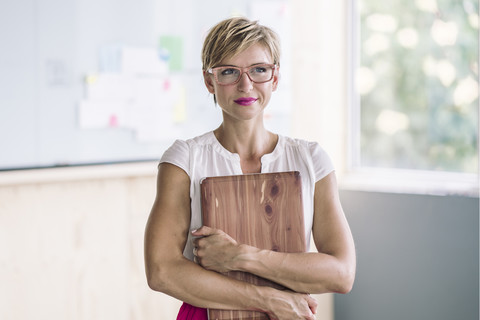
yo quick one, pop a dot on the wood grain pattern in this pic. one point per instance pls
(263, 210)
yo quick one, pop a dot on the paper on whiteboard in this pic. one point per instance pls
(142, 61)
(109, 86)
(103, 114)
(153, 113)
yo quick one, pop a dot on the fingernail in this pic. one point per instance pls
(194, 230)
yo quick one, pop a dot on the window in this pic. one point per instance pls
(416, 85)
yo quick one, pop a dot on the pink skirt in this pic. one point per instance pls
(189, 312)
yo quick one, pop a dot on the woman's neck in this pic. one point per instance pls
(250, 143)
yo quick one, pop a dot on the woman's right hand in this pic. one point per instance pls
(288, 305)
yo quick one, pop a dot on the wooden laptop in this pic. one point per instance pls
(264, 210)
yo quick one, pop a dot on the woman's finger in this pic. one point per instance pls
(204, 231)
(312, 304)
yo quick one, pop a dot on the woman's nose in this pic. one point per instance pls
(245, 84)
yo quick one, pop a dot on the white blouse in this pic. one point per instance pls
(204, 156)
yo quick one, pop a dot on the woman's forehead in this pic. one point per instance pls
(254, 54)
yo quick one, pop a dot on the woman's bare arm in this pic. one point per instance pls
(332, 269)
(170, 272)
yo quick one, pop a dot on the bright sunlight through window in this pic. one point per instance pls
(416, 81)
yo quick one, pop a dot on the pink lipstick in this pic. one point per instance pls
(245, 101)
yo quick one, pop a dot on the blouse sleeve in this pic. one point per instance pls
(179, 155)
(322, 164)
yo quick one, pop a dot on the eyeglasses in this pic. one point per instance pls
(228, 75)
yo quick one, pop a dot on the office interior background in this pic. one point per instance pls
(93, 92)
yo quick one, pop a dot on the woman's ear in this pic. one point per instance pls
(276, 78)
(208, 79)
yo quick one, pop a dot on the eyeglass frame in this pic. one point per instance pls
(242, 71)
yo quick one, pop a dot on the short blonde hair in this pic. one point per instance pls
(234, 35)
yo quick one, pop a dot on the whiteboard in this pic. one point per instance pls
(104, 81)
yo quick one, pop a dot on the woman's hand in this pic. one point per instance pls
(289, 305)
(214, 249)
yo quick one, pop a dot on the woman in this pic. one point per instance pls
(241, 62)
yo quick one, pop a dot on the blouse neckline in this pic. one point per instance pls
(266, 158)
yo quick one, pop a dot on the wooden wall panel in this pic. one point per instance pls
(74, 250)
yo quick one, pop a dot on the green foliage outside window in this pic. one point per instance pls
(418, 84)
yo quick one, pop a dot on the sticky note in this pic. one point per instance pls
(174, 46)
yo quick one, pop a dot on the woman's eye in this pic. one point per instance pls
(228, 72)
(259, 70)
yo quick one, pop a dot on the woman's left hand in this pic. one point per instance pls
(214, 249)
